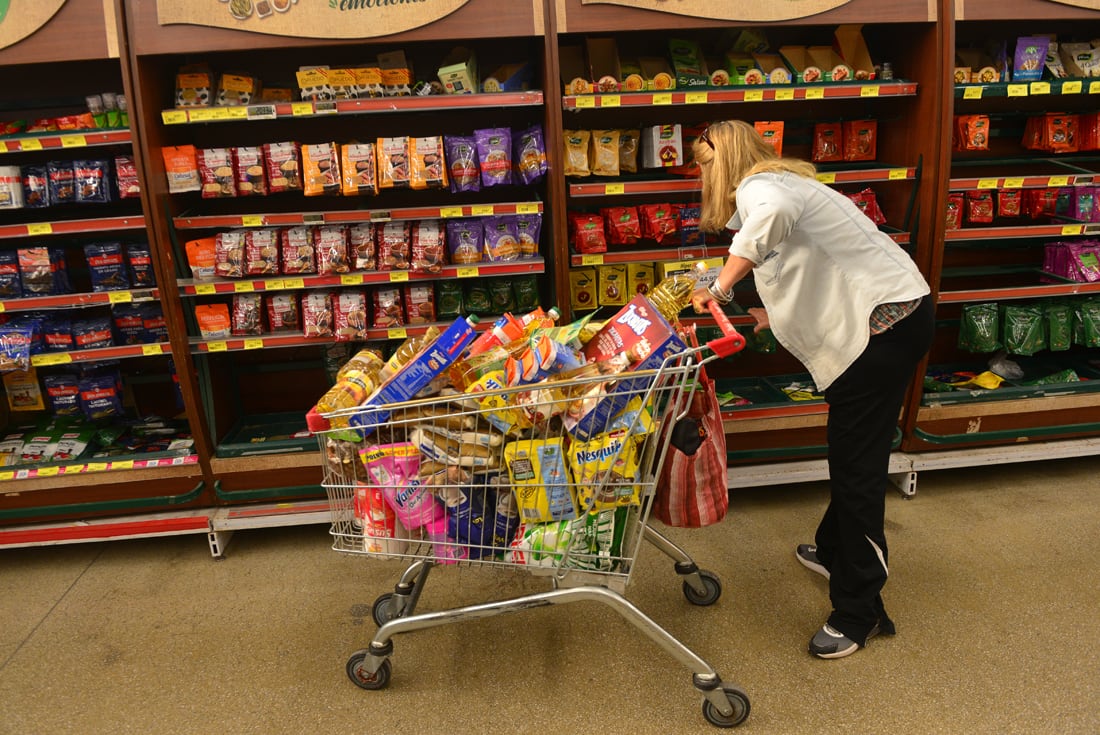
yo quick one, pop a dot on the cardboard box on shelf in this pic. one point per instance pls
(509, 78)
(657, 73)
(1080, 59)
(743, 70)
(687, 61)
(975, 66)
(573, 70)
(850, 46)
(458, 72)
(662, 146)
(603, 63)
(830, 63)
(772, 66)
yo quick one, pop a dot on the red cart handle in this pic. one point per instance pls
(732, 341)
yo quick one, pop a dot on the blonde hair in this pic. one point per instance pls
(738, 151)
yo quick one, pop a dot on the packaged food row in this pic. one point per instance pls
(1030, 327)
(616, 152)
(850, 140)
(1052, 132)
(984, 206)
(88, 422)
(58, 183)
(489, 157)
(104, 111)
(44, 270)
(346, 315)
(668, 225)
(1027, 59)
(1076, 260)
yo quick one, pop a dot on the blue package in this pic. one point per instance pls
(11, 285)
(154, 327)
(100, 397)
(129, 323)
(106, 266)
(57, 333)
(63, 394)
(140, 260)
(93, 332)
(467, 522)
(36, 187)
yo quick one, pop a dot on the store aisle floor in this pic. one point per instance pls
(994, 587)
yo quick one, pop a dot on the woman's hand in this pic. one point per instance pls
(699, 300)
(761, 317)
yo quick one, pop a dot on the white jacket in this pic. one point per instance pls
(821, 267)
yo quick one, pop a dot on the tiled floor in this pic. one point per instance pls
(994, 587)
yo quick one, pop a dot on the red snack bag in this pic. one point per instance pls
(586, 233)
(283, 312)
(331, 245)
(247, 315)
(250, 174)
(229, 254)
(387, 308)
(317, 314)
(1009, 202)
(126, 177)
(261, 252)
(772, 133)
(283, 167)
(860, 140)
(868, 204)
(659, 221)
(216, 173)
(622, 225)
(297, 254)
(362, 246)
(428, 246)
(1040, 202)
(954, 211)
(979, 206)
(349, 314)
(1061, 133)
(394, 248)
(420, 303)
(828, 144)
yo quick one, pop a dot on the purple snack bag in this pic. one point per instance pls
(464, 238)
(461, 155)
(501, 238)
(530, 158)
(494, 155)
(528, 226)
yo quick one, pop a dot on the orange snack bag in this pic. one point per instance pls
(358, 166)
(181, 165)
(428, 171)
(321, 166)
(213, 320)
(772, 133)
(201, 256)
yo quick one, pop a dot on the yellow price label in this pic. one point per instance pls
(119, 297)
(815, 93)
(987, 183)
(218, 346)
(1058, 181)
(784, 94)
(30, 144)
(123, 464)
(253, 344)
(3, 147)
(96, 467)
(591, 260)
(236, 113)
(219, 113)
(482, 210)
(1039, 88)
(290, 283)
(59, 358)
(174, 117)
(827, 178)
(1073, 229)
(40, 228)
(897, 174)
(1013, 183)
(397, 333)
(48, 471)
(972, 93)
(73, 141)
(1017, 90)
(399, 276)
(614, 189)
(2, 307)
(611, 100)
(696, 98)
(754, 95)
(274, 285)
(527, 208)
(252, 220)
(470, 271)
(301, 108)
(205, 289)
(450, 211)
(585, 102)
(151, 350)
(244, 287)
(201, 114)
(1094, 87)
(351, 279)
(7, 476)
(662, 98)
(1072, 86)
(869, 91)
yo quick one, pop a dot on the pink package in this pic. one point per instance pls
(395, 468)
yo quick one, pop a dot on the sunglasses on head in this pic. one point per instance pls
(705, 137)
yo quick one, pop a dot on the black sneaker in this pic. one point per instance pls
(807, 555)
(831, 643)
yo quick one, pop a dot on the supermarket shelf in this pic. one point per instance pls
(274, 219)
(106, 529)
(741, 94)
(1018, 292)
(686, 186)
(647, 256)
(192, 287)
(1052, 87)
(96, 466)
(73, 227)
(101, 353)
(259, 342)
(67, 301)
(1002, 233)
(73, 139)
(350, 107)
(225, 521)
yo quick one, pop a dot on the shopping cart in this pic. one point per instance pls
(512, 478)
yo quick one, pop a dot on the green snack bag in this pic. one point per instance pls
(1024, 332)
(1062, 376)
(1059, 324)
(477, 298)
(448, 299)
(501, 297)
(979, 328)
(1089, 315)
(526, 291)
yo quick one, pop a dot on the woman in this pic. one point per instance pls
(850, 304)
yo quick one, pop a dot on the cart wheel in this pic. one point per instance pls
(713, 592)
(382, 610)
(379, 680)
(737, 699)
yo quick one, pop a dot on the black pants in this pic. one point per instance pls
(864, 403)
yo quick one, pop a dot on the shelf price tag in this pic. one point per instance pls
(527, 208)
(585, 102)
(301, 108)
(123, 464)
(202, 114)
(274, 285)
(60, 358)
(696, 98)
(40, 228)
(869, 91)
(469, 271)
(119, 297)
(252, 220)
(1015, 182)
(96, 467)
(153, 349)
(1073, 229)
(450, 211)
(3, 147)
(217, 346)
(1017, 90)
(784, 94)
(1039, 88)
(614, 189)
(174, 117)
(827, 178)
(205, 289)
(6, 476)
(897, 174)
(662, 98)
(292, 283)
(397, 333)
(219, 113)
(351, 279)
(1094, 87)
(815, 93)
(987, 183)
(2, 307)
(253, 344)
(972, 93)
(236, 113)
(591, 260)
(754, 95)
(481, 210)
(73, 141)
(244, 287)
(48, 471)
(30, 144)
(399, 276)
(1058, 181)
(261, 112)
(1072, 86)
(611, 100)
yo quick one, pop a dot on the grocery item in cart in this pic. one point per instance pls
(606, 470)
(382, 532)
(540, 479)
(395, 468)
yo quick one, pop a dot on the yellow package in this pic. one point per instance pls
(606, 471)
(540, 480)
(499, 410)
(576, 152)
(583, 291)
(614, 286)
(603, 155)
